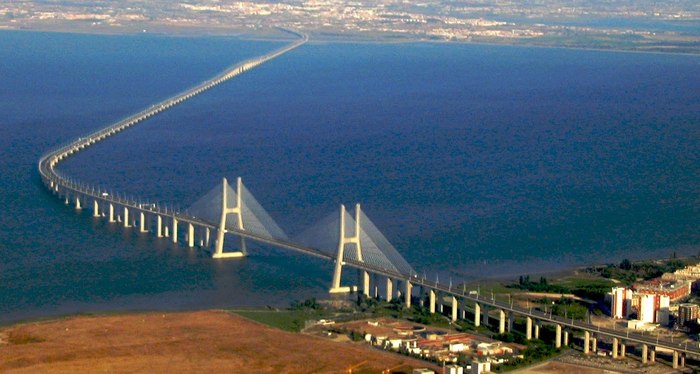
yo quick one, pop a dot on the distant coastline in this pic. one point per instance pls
(272, 34)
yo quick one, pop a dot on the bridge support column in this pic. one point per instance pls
(537, 330)
(389, 289)
(174, 229)
(675, 359)
(365, 283)
(166, 231)
(586, 342)
(615, 346)
(566, 338)
(454, 308)
(407, 296)
(528, 328)
(682, 363)
(594, 344)
(343, 240)
(111, 213)
(207, 237)
(126, 217)
(159, 226)
(77, 203)
(477, 314)
(557, 338)
(225, 211)
(501, 321)
(623, 349)
(142, 222)
(645, 348)
(431, 301)
(652, 355)
(485, 315)
(95, 208)
(509, 326)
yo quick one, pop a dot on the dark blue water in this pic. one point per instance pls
(474, 161)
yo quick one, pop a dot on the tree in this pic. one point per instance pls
(626, 265)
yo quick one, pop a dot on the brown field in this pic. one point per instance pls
(207, 341)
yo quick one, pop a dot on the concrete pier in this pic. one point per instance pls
(365, 283)
(126, 217)
(587, 342)
(142, 223)
(566, 338)
(111, 213)
(652, 355)
(675, 360)
(594, 344)
(623, 349)
(537, 330)
(509, 321)
(77, 203)
(645, 354)
(389, 289)
(159, 226)
(485, 315)
(174, 233)
(407, 296)
(528, 328)
(477, 314)
(615, 346)
(431, 300)
(95, 208)
(557, 339)
(454, 308)
(501, 321)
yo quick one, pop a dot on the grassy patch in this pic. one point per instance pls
(288, 320)
(19, 337)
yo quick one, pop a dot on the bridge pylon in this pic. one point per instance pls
(343, 240)
(225, 211)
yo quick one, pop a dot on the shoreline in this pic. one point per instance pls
(268, 36)
(553, 276)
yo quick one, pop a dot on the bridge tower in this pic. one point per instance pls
(225, 211)
(342, 241)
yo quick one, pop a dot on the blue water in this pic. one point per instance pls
(475, 161)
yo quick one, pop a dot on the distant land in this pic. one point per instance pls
(639, 25)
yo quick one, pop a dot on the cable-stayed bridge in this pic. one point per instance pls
(350, 240)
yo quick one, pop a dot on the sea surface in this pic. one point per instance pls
(475, 161)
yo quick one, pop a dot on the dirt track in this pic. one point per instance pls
(208, 341)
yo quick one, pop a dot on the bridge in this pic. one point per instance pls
(348, 240)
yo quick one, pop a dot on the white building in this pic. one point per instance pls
(481, 367)
(621, 305)
(454, 369)
(647, 308)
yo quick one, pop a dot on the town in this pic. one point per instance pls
(665, 306)
(551, 23)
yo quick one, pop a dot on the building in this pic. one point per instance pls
(674, 289)
(479, 367)
(621, 305)
(647, 310)
(454, 369)
(687, 313)
(651, 307)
